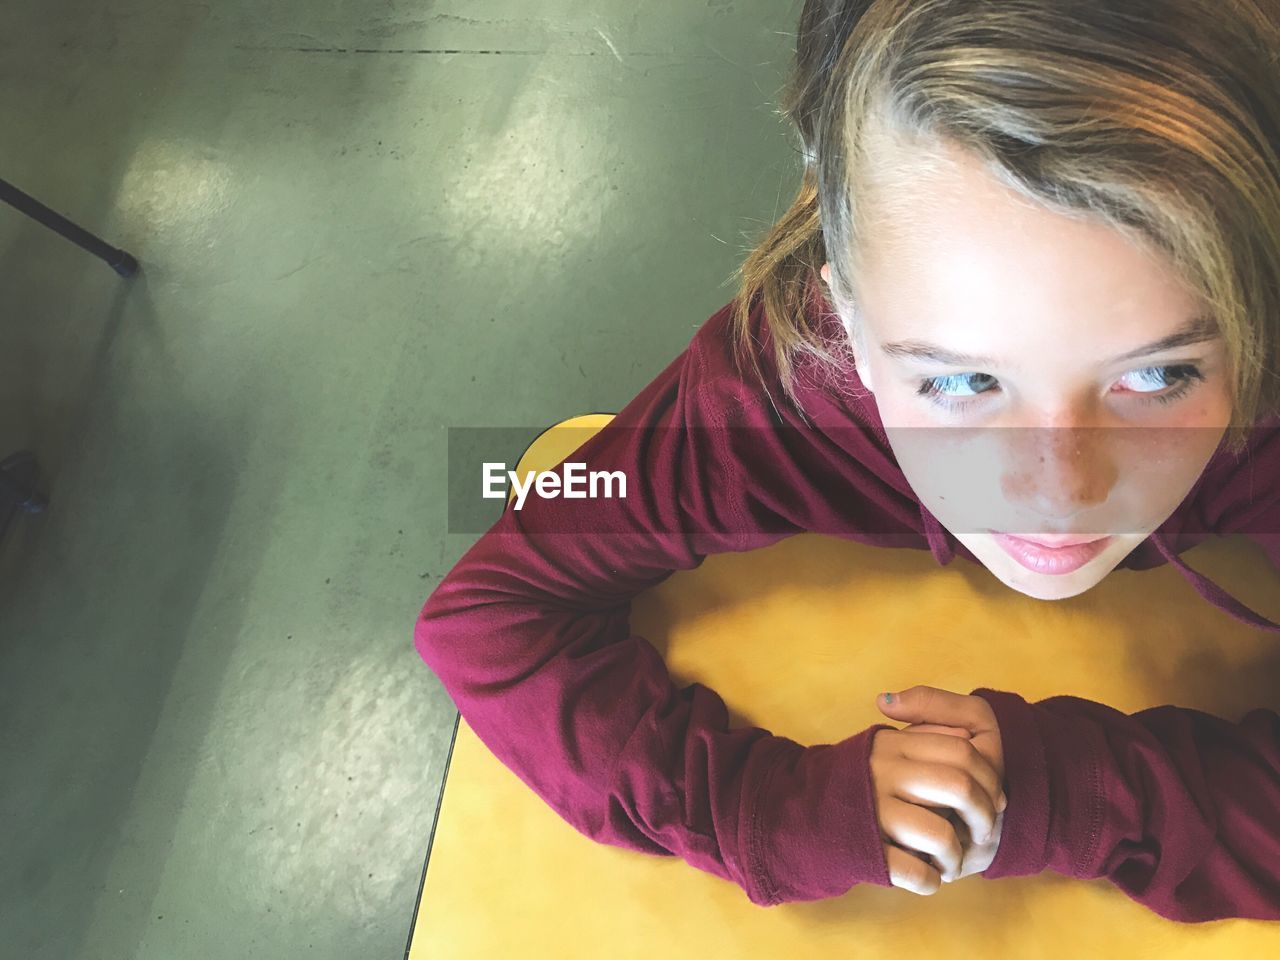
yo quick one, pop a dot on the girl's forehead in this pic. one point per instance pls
(963, 257)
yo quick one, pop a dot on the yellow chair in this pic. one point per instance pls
(799, 638)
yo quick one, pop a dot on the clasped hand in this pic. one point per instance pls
(939, 787)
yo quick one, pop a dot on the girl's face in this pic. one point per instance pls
(1036, 375)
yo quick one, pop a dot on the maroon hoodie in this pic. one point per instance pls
(529, 634)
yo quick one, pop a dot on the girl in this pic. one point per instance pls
(1036, 245)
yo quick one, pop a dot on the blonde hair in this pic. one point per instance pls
(1160, 118)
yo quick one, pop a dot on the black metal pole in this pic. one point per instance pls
(119, 261)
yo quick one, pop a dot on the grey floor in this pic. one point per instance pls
(217, 739)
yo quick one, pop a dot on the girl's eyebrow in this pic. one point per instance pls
(1196, 330)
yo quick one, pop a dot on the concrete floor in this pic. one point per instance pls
(217, 739)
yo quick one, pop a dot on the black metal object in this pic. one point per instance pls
(118, 260)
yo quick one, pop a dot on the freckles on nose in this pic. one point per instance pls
(1063, 471)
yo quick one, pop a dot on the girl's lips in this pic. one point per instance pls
(1055, 561)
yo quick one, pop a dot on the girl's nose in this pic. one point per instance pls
(1057, 472)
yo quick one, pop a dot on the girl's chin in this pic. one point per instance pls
(1041, 586)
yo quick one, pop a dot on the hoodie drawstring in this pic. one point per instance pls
(1211, 591)
(940, 547)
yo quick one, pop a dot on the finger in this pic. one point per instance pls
(989, 746)
(910, 872)
(979, 856)
(939, 783)
(921, 830)
(954, 751)
(937, 728)
(922, 704)
(967, 844)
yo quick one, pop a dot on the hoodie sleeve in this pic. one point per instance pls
(1177, 808)
(529, 634)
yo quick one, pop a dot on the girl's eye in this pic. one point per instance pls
(958, 390)
(1182, 378)
(939, 389)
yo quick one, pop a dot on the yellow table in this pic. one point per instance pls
(799, 638)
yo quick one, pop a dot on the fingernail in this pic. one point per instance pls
(888, 697)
